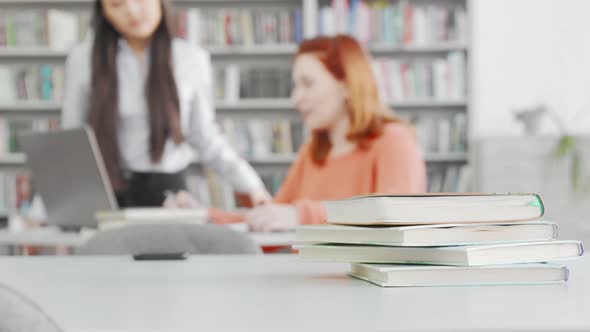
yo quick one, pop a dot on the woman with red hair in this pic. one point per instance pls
(357, 145)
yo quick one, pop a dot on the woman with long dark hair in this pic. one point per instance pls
(148, 97)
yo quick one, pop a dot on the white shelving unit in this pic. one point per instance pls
(262, 105)
(19, 159)
(408, 49)
(30, 106)
(35, 53)
(282, 50)
(263, 108)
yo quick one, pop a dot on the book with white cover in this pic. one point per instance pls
(135, 216)
(392, 275)
(111, 224)
(428, 235)
(7, 86)
(471, 255)
(62, 27)
(434, 208)
(152, 214)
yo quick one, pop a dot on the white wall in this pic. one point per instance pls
(527, 52)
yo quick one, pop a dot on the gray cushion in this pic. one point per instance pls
(19, 314)
(165, 238)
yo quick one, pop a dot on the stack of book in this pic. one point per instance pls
(441, 240)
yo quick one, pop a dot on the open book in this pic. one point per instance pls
(434, 208)
(391, 275)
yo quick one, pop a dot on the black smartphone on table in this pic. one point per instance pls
(160, 256)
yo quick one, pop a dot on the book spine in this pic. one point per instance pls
(46, 82)
(298, 25)
(3, 39)
(182, 25)
(30, 83)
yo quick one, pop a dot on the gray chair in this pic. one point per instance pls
(19, 314)
(167, 238)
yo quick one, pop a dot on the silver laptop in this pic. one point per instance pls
(69, 174)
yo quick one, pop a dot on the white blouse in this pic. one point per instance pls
(193, 75)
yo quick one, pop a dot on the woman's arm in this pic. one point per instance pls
(288, 208)
(76, 88)
(205, 135)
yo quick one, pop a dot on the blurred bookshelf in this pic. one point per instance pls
(19, 159)
(421, 58)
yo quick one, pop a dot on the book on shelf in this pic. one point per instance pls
(52, 28)
(438, 79)
(221, 193)
(59, 30)
(263, 138)
(274, 82)
(40, 82)
(15, 192)
(449, 178)
(467, 255)
(428, 235)
(394, 23)
(234, 82)
(260, 82)
(7, 85)
(223, 27)
(443, 208)
(63, 29)
(392, 275)
(11, 128)
(440, 133)
(211, 190)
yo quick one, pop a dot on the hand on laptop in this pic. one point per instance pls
(260, 197)
(181, 200)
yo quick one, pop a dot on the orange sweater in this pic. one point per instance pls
(392, 164)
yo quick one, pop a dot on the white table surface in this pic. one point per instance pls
(280, 292)
(51, 237)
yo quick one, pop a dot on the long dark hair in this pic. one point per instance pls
(160, 91)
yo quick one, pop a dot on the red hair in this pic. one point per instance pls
(348, 62)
